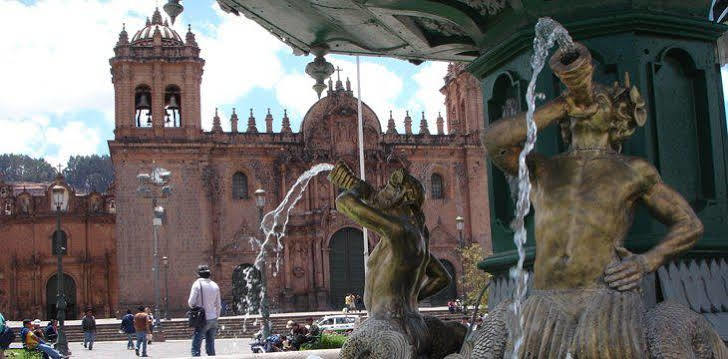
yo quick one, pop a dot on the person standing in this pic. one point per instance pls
(127, 327)
(5, 338)
(205, 293)
(150, 335)
(141, 328)
(88, 324)
(32, 342)
(359, 303)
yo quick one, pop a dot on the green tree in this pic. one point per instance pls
(15, 167)
(474, 279)
(89, 173)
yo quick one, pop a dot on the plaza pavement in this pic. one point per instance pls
(168, 349)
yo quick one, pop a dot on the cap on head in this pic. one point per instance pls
(26, 322)
(140, 308)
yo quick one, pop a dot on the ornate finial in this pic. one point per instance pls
(234, 122)
(216, 127)
(251, 123)
(348, 85)
(149, 23)
(319, 69)
(440, 124)
(173, 8)
(424, 128)
(391, 129)
(407, 124)
(191, 41)
(166, 23)
(269, 122)
(286, 125)
(339, 85)
(123, 36)
(157, 17)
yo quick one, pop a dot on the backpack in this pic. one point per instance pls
(6, 337)
(196, 316)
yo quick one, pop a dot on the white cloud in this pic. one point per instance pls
(239, 56)
(33, 136)
(53, 62)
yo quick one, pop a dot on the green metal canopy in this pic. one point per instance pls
(448, 30)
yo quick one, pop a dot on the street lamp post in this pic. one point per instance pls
(264, 309)
(165, 262)
(460, 224)
(155, 185)
(59, 196)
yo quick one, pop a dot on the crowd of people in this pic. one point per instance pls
(297, 336)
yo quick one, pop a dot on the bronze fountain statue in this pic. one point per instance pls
(401, 271)
(585, 300)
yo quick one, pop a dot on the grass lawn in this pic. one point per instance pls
(22, 354)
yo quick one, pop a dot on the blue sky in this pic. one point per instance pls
(56, 96)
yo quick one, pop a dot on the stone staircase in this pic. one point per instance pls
(230, 327)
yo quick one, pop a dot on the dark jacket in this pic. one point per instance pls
(50, 333)
(127, 324)
(88, 323)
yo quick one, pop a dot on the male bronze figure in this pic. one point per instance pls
(401, 271)
(585, 301)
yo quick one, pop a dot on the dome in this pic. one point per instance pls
(169, 36)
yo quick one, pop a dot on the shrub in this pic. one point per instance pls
(327, 341)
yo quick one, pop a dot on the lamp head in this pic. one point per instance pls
(460, 223)
(59, 195)
(259, 198)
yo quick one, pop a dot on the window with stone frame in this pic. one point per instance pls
(240, 186)
(63, 244)
(438, 191)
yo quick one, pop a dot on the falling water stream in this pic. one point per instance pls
(547, 31)
(274, 229)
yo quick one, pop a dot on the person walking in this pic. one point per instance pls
(127, 327)
(150, 335)
(141, 328)
(88, 324)
(205, 293)
(32, 342)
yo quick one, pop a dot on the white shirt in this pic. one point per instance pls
(210, 296)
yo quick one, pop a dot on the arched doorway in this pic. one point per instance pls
(346, 265)
(69, 288)
(246, 278)
(448, 293)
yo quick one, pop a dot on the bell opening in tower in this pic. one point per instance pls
(172, 107)
(143, 106)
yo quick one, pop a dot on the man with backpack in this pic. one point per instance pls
(204, 298)
(127, 327)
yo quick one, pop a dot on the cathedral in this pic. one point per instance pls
(211, 212)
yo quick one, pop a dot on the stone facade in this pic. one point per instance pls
(29, 266)
(212, 214)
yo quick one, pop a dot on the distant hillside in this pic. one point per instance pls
(84, 173)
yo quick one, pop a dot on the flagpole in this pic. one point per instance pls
(362, 173)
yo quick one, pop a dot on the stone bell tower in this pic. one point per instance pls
(157, 80)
